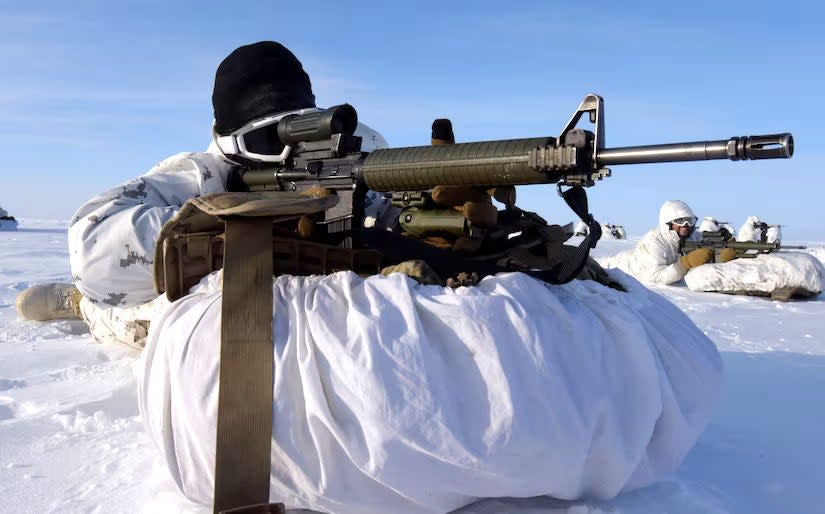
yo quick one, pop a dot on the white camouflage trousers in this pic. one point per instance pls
(128, 326)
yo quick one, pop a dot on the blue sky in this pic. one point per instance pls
(93, 93)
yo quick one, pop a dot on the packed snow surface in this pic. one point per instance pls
(71, 439)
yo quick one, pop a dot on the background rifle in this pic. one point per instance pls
(723, 239)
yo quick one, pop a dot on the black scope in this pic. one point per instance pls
(319, 125)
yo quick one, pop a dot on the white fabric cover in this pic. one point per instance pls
(391, 396)
(112, 236)
(656, 257)
(581, 229)
(764, 273)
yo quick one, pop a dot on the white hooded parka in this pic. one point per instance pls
(656, 257)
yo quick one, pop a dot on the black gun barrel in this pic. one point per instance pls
(770, 146)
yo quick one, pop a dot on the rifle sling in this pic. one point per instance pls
(576, 198)
(244, 431)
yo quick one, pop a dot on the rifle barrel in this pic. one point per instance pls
(769, 146)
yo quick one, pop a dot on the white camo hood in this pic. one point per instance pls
(656, 257)
(673, 209)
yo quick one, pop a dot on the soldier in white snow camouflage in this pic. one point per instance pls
(656, 258)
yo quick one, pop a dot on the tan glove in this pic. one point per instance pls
(417, 270)
(306, 226)
(695, 258)
(727, 255)
(477, 207)
(476, 204)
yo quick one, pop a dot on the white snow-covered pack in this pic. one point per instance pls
(390, 396)
(761, 275)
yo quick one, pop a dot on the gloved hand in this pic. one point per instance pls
(417, 270)
(727, 255)
(306, 227)
(695, 258)
(476, 204)
(422, 273)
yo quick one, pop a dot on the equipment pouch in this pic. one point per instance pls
(191, 244)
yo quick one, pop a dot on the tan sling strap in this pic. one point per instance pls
(243, 454)
(237, 228)
(235, 231)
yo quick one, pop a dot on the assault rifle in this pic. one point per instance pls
(320, 150)
(720, 239)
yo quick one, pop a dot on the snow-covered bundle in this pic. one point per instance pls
(763, 274)
(390, 396)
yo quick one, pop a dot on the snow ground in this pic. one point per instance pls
(71, 439)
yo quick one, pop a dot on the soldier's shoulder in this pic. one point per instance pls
(371, 138)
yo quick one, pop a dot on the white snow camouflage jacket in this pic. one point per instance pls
(749, 231)
(656, 257)
(112, 236)
(752, 231)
